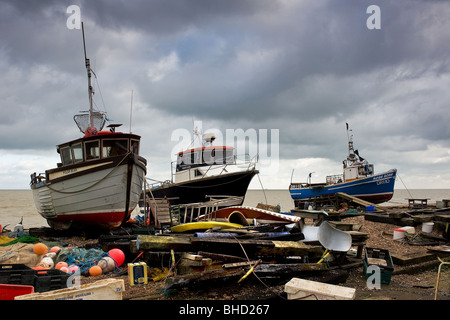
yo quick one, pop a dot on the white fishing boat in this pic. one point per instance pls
(99, 179)
(207, 172)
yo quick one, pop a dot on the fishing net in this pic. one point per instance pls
(83, 258)
(83, 120)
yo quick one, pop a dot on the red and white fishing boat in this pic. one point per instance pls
(99, 180)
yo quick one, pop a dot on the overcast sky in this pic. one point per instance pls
(300, 68)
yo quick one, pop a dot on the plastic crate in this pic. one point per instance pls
(386, 269)
(42, 280)
(10, 291)
(16, 274)
(51, 279)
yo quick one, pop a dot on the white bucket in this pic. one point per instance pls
(427, 227)
(399, 234)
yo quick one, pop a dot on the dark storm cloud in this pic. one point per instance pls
(303, 67)
(163, 17)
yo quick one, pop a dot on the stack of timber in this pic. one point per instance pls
(233, 254)
(230, 246)
(413, 217)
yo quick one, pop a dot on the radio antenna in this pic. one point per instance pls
(131, 108)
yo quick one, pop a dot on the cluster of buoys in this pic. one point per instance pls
(113, 259)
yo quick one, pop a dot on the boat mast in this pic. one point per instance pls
(90, 89)
(351, 153)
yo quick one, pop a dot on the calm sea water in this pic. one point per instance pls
(18, 204)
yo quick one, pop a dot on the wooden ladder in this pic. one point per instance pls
(162, 212)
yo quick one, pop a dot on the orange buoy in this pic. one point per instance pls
(95, 271)
(55, 249)
(61, 264)
(40, 248)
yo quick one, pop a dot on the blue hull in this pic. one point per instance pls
(376, 189)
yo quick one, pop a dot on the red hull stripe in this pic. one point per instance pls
(99, 218)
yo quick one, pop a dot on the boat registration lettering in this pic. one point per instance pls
(383, 181)
(70, 171)
(384, 176)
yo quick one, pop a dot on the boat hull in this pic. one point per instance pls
(102, 194)
(375, 189)
(234, 214)
(198, 190)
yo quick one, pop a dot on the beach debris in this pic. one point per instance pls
(73, 268)
(107, 264)
(442, 262)
(40, 248)
(117, 255)
(61, 264)
(378, 262)
(55, 249)
(46, 263)
(301, 289)
(137, 273)
(95, 271)
(158, 274)
(204, 278)
(105, 289)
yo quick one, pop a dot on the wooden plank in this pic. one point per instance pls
(423, 218)
(240, 264)
(195, 263)
(345, 226)
(222, 257)
(384, 218)
(360, 201)
(442, 217)
(227, 246)
(165, 243)
(412, 258)
(194, 257)
(396, 215)
(312, 290)
(288, 268)
(445, 250)
(204, 278)
(258, 247)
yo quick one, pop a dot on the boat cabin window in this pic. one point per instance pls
(77, 152)
(204, 157)
(66, 156)
(134, 146)
(114, 147)
(92, 149)
(365, 170)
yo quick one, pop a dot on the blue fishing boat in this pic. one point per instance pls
(358, 180)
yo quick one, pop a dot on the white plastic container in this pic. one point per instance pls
(410, 230)
(107, 289)
(427, 227)
(399, 234)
